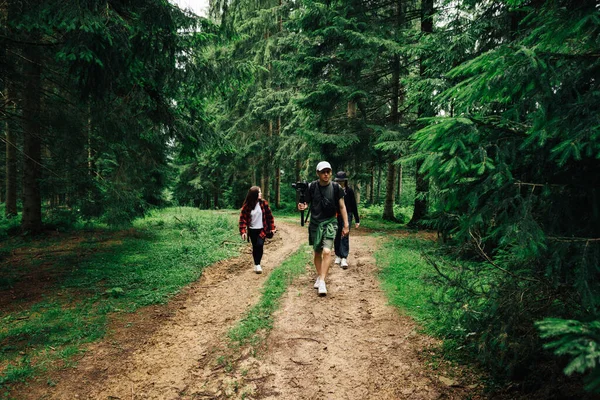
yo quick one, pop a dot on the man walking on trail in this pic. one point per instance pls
(326, 200)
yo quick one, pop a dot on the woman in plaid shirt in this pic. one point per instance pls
(256, 223)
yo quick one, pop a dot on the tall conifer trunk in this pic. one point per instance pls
(266, 185)
(297, 169)
(372, 184)
(422, 184)
(278, 170)
(399, 185)
(10, 127)
(351, 109)
(378, 182)
(397, 99)
(388, 207)
(32, 143)
(11, 161)
(277, 164)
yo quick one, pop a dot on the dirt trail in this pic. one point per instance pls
(348, 345)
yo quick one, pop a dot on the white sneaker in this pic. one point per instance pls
(258, 269)
(344, 263)
(337, 260)
(316, 285)
(322, 288)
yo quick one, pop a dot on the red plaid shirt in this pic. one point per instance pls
(267, 219)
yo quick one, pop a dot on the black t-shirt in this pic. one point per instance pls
(314, 196)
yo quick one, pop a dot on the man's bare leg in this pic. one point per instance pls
(325, 261)
(317, 260)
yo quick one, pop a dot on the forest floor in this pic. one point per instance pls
(350, 344)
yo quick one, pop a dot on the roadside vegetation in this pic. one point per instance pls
(452, 296)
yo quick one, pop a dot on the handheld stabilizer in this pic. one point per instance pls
(301, 189)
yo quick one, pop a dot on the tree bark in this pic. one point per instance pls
(266, 178)
(351, 109)
(278, 170)
(397, 98)
(10, 127)
(399, 187)
(388, 208)
(11, 165)
(297, 169)
(280, 19)
(372, 185)
(31, 221)
(378, 184)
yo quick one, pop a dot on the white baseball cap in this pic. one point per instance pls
(323, 165)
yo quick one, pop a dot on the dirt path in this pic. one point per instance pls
(349, 345)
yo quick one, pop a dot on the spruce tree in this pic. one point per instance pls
(513, 159)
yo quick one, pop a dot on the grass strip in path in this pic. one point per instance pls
(259, 318)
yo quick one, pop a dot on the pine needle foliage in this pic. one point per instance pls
(577, 340)
(515, 154)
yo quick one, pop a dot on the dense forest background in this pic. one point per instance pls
(481, 118)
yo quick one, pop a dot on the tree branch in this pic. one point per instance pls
(492, 263)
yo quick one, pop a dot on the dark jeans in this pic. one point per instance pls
(257, 245)
(342, 244)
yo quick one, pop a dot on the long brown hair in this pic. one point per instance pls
(251, 198)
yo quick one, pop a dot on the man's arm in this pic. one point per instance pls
(344, 213)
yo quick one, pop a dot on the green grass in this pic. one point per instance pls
(371, 217)
(407, 281)
(105, 273)
(404, 276)
(260, 317)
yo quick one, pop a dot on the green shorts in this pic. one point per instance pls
(325, 243)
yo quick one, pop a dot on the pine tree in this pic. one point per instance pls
(100, 106)
(513, 159)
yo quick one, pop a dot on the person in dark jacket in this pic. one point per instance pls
(342, 242)
(256, 223)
